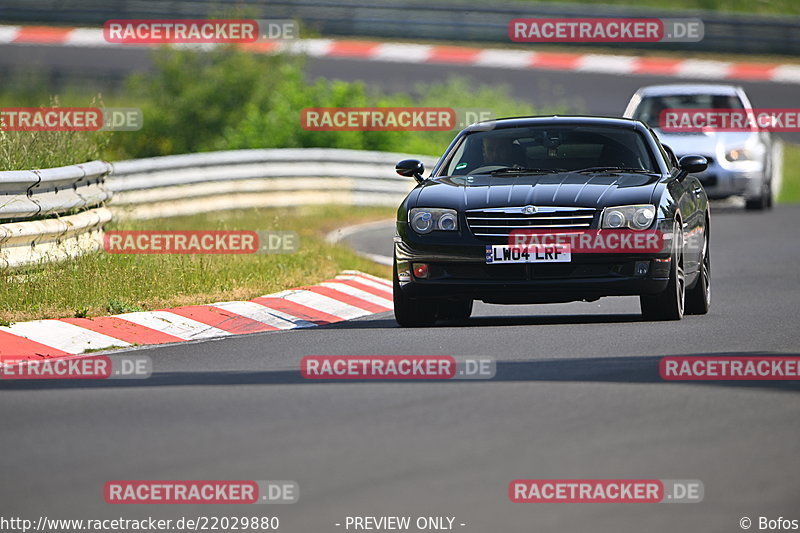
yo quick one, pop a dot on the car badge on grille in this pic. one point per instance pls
(529, 209)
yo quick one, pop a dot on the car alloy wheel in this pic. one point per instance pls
(698, 298)
(669, 304)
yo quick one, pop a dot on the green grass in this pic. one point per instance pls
(36, 150)
(26, 150)
(790, 188)
(101, 284)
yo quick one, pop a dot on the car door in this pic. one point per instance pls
(691, 198)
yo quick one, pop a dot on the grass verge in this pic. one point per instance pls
(790, 188)
(102, 284)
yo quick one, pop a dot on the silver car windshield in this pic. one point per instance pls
(651, 107)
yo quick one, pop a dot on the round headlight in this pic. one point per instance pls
(447, 222)
(422, 222)
(738, 154)
(643, 218)
(615, 219)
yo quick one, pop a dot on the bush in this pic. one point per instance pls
(228, 99)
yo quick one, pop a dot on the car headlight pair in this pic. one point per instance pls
(628, 217)
(428, 219)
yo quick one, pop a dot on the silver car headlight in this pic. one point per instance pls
(739, 154)
(427, 219)
(628, 216)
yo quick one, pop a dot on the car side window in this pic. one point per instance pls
(666, 153)
(455, 165)
(672, 159)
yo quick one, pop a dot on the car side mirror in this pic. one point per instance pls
(692, 164)
(411, 168)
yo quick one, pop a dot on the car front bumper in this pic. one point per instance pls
(459, 271)
(721, 182)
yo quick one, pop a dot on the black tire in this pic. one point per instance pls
(698, 298)
(408, 313)
(763, 201)
(458, 311)
(668, 304)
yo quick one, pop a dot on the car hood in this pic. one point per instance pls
(707, 144)
(565, 189)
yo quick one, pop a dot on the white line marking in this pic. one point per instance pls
(323, 303)
(370, 276)
(263, 314)
(402, 53)
(311, 47)
(88, 37)
(787, 74)
(368, 281)
(63, 336)
(8, 33)
(696, 68)
(505, 59)
(358, 293)
(606, 64)
(175, 325)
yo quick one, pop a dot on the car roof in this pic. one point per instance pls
(554, 120)
(690, 88)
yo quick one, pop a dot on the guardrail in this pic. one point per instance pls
(72, 198)
(194, 183)
(52, 239)
(415, 19)
(28, 194)
(180, 185)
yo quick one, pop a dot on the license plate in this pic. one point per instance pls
(501, 254)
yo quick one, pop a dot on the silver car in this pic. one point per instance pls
(739, 163)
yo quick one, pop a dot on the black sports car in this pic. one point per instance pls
(504, 216)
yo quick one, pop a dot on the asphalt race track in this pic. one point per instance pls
(577, 395)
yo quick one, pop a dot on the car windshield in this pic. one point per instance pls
(547, 149)
(650, 108)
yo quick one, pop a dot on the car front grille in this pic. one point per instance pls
(496, 224)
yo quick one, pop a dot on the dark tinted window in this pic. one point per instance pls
(651, 107)
(556, 148)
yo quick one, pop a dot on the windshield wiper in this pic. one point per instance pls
(615, 170)
(524, 170)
